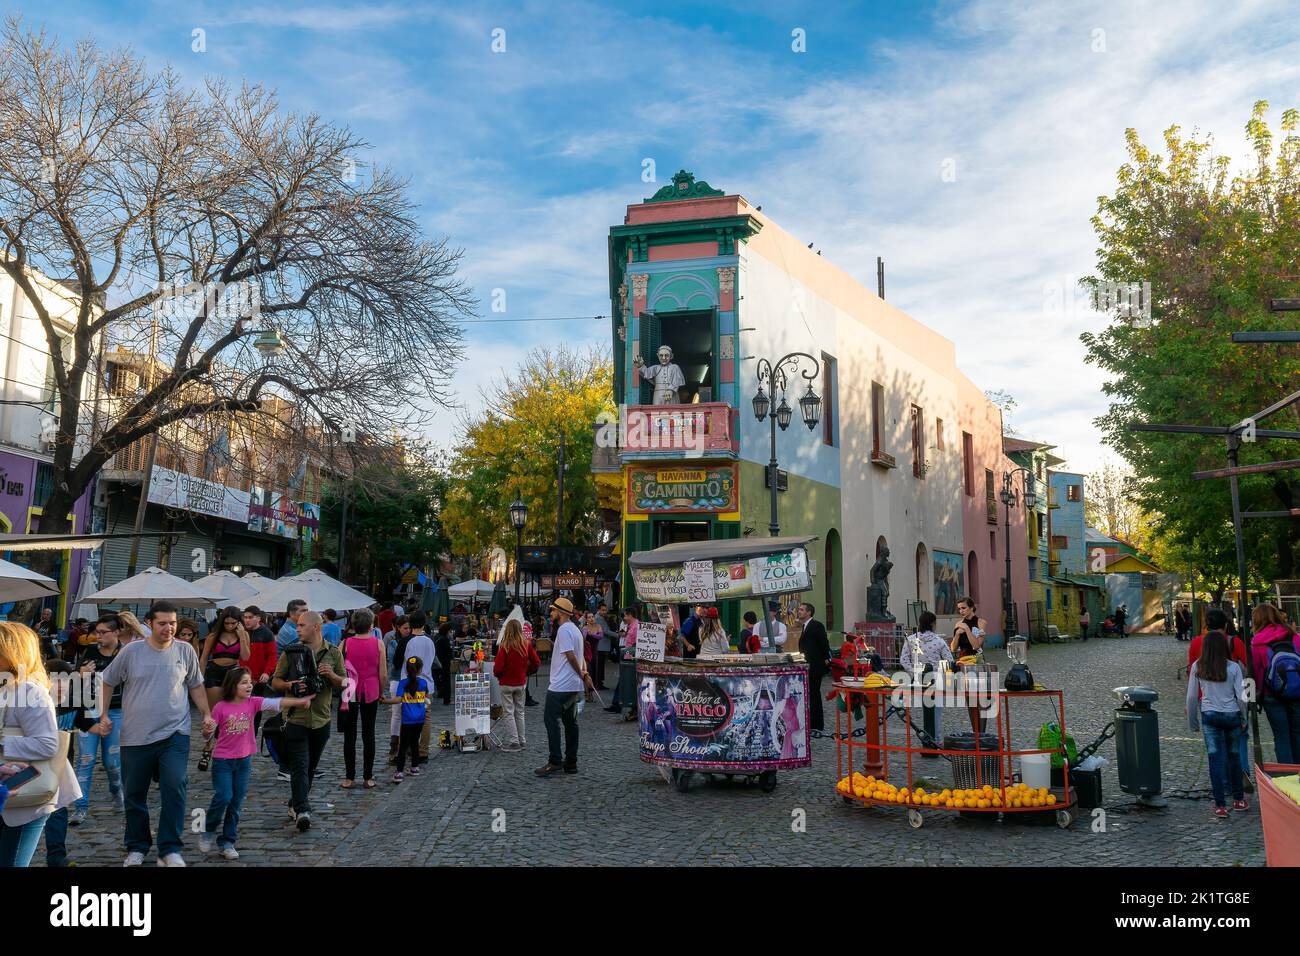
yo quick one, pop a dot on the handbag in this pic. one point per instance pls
(45, 788)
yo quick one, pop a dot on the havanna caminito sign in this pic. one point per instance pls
(706, 488)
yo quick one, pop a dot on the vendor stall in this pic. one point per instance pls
(986, 773)
(731, 714)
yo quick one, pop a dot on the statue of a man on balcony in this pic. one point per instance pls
(666, 377)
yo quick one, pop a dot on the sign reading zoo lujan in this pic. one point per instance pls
(772, 574)
(710, 488)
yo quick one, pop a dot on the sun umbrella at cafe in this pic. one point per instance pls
(18, 583)
(232, 588)
(500, 600)
(318, 589)
(155, 584)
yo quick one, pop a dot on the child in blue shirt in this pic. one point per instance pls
(413, 695)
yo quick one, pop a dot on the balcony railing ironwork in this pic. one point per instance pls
(700, 429)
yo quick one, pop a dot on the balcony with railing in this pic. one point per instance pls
(679, 431)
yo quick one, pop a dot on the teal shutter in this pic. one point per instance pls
(651, 338)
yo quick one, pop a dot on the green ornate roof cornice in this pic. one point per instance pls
(684, 186)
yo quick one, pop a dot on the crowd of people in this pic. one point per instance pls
(291, 676)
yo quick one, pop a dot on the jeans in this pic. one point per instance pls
(559, 707)
(1284, 718)
(512, 700)
(1221, 730)
(229, 787)
(304, 746)
(169, 758)
(56, 838)
(18, 844)
(108, 750)
(366, 713)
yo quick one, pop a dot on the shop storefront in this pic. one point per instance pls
(673, 502)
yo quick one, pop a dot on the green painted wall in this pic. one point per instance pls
(806, 507)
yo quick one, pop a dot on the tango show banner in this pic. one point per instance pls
(729, 718)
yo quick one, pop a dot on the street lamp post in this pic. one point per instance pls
(1010, 497)
(810, 405)
(518, 518)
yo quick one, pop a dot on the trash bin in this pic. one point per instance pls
(1137, 740)
(627, 690)
(970, 772)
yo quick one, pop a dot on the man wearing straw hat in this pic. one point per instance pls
(568, 678)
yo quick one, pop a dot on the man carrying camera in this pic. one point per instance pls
(319, 671)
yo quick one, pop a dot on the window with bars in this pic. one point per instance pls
(44, 484)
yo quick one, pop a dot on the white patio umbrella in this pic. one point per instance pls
(18, 583)
(475, 590)
(230, 586)
(155, 584)
(317, 588)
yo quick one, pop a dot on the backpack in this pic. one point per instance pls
(1283, 676)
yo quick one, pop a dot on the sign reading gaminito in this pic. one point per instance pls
(709, 488)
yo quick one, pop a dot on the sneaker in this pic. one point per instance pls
(77, 817)
(318, 774)
(398, 777)
(282, 774)
(415, 771)
(171, 859)
(230, 853)
(547, 769)
(512, 748)
(1221, 812)
(304, 822)
(134, 858)
(1242, 804)
(205, 842)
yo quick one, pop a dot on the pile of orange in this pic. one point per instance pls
(982, 798)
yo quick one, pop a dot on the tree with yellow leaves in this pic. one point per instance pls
(513, 448)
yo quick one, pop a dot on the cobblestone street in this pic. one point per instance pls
(618, 810)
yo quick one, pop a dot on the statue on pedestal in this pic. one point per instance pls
(878, 590)
(666, 376)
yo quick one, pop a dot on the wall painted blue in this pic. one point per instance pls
(1067, 520)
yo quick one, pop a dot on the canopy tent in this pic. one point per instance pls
(256, 581)
(155, 584)
(475, 590)
(318, 589)
(230, 586)
(18, 583)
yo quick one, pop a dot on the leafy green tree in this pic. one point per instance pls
(1214, 248)
(394, 502)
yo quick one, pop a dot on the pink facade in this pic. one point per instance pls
(985, 540)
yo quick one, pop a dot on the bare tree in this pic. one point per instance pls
(1111, 505)
(189, 222)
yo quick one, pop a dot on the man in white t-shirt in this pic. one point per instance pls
(568, 678)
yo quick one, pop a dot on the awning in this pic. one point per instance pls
(731, 549)
(63, 542)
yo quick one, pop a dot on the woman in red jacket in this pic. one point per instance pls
(516, 659)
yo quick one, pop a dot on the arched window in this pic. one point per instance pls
(923, 589)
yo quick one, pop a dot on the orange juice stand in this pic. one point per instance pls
(870, 769)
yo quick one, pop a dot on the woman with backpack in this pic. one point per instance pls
(363, 656)
(515, 660)
(1275, 655)
(1221, 711)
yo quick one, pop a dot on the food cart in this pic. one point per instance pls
(982, 761)
(734, 715)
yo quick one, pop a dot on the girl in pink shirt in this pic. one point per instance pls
(232, 755)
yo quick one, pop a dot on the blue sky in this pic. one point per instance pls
(524, 158)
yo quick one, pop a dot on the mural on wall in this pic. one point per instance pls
(949, 582)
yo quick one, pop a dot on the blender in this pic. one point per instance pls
(1019, 677)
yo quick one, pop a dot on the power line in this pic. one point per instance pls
(556, 318)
